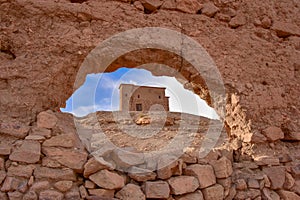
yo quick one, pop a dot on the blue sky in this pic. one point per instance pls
(101, 92)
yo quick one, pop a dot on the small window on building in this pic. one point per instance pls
(159, 97)
(125, 95)
(138, 107)
(138, 96)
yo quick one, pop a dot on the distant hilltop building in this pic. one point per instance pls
(142, 98)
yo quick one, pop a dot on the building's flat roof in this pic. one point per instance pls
(126, 84)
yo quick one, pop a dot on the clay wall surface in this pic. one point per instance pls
(255, 46)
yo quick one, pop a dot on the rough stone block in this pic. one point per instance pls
(102, 193)
(51, 195)
(131, 191)
(204, 173)
(287, 195)
(222, 167)
(28, 152)
(183, 184)
(273, 133)
(157, 189)
(54, 174)
(215, 192)
(46, 119)
(108, 180)
(66, 157)
(95, 164)
(276, 176)
(192, 196)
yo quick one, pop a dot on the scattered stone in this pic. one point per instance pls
(238, 20)
(253, 183)
(63, 186)
(276, 176)
(168, 166)
(183, 184)
(241, 184)
(40, 131)
(144, 120)
(107, 179)
(46, 119)
(129, 192)
(287, 195)
(102, 193)
(188, 6)
(5, 149)
(273, 133)
(204, 173)
(215, 192)
(270, 194)
(55, 174)
(209, 9)
(222, 167)
(28, 152)
(289, 181)
(157, 189)
(64, 140)
(50, 195)
(15, 129)
(95, 164)
(66, 157)
(284, 158)
(285, 29)
(21, 170)
(266, 160)
(192, 196)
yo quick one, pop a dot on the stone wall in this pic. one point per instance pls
(48, 161)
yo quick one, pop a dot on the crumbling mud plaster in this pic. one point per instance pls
(256, 49)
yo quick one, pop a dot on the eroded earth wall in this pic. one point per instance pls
(255, 45)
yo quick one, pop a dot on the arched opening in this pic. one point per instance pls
(100, 93)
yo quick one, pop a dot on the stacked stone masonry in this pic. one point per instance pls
(48, 161)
